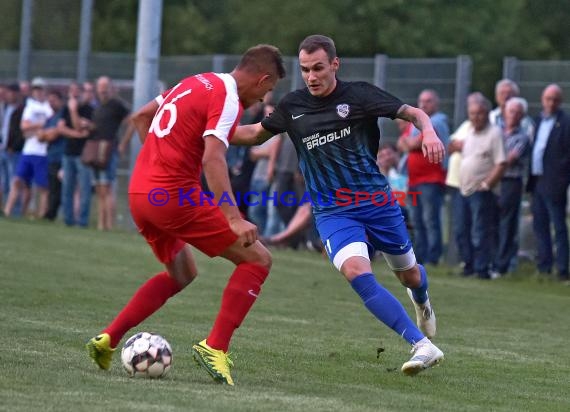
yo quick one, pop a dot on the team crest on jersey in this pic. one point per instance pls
(343, 110)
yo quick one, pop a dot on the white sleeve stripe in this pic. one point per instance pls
(218, 135)
(230, 110)
(159, 99)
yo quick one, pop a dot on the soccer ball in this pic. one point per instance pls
(146, 355)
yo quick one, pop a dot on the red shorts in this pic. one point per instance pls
(169, 227)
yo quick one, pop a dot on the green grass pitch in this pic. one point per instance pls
(307, 345)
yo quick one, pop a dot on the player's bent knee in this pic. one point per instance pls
(405, 267)
(262, 257)
(256, 254)
(410, 278)
(183, 268)
(182, 276)
(355, 266)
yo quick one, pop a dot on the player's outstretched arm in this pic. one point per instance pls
(432, 147)
(250, 135)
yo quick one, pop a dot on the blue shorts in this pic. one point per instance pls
(33, 168)
(378, 227)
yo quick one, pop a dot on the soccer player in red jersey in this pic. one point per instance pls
(185, 130)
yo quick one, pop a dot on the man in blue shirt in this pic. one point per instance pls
(517, 144)
(334, 127)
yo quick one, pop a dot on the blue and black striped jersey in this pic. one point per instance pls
(336, 138)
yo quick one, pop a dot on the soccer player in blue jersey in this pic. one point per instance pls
(334, 127)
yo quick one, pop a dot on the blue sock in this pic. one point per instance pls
(420, 293)
(386, 307)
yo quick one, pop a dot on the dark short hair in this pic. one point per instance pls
(316, 42)
(56, 93)
(262, 58)
(15, 87)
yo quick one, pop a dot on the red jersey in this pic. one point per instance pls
(421, 171)
(171, 156)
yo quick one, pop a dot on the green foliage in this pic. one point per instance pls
(10, 24)
(550, 19)
(53, 22)
(192, 27)
(256, 24)
(308, 344)
(114, 25)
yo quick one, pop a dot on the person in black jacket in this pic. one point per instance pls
(549, 181)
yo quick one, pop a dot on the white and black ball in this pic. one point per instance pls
(146, 355)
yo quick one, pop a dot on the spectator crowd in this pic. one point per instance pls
(44, 167)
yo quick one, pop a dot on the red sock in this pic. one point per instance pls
(239, 295)
(146, 300)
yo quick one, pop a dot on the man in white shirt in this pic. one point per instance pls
(33, 164)
(482, 165)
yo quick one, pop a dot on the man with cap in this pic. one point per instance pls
(33, 164)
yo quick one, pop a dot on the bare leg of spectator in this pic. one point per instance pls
(16, 189)
(42, 202)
